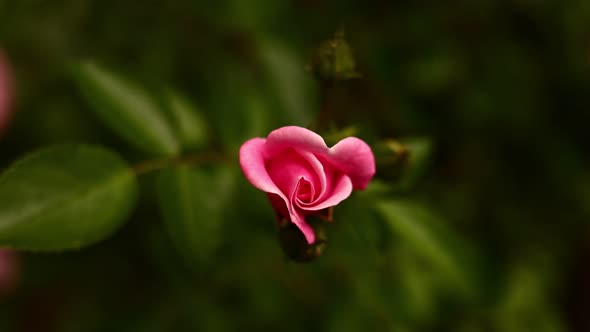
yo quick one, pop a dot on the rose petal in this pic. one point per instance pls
(352, 155)
(287, 171)
(308, 232)
(288, 168)
(298, 218)
(342, 189)
(305, 191)
(297, 137)
(356, 159)
(279, 205)
(254, 168)
(252, 162)
(320, 170)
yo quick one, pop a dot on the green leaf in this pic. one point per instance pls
(190, 126)
(525, 303)
(127, 109)
(193, 203)
(429, 237)
(417, 285)
(64, 197)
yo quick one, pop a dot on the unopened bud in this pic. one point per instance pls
(391, 157)
(334, 61)
(391, 152)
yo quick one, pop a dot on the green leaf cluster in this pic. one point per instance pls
(69, 196)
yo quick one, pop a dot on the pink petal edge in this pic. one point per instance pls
(252, 162)
(253, 165)
(341, 191)
(356, 159)
(297, 137)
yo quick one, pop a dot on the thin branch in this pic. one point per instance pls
(149, 166)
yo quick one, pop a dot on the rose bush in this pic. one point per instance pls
(302, 175)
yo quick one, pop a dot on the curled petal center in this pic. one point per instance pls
(305, 191)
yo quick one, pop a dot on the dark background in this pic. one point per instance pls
(498, 88)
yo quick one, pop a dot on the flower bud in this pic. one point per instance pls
(334, 61)
(392, 158)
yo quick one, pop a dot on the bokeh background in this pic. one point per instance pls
(493, 234)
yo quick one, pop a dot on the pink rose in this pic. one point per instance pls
(5, 91)
(302, 175)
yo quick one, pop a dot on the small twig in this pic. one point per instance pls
(149, 166)
(205, 158)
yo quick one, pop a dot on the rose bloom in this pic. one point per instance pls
(302, 175)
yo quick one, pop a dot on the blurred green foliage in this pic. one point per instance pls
(486, 229)
(64, 197)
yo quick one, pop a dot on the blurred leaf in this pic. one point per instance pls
(525, 305)
(253, 15)
(190, 126)
(291, 81)
(417, 285)
(251, 119)
(419, 152)
(126, 109)
(431, 74)
(64, 197)
(193, 203)
(427, 235)
(350, 315)
(239, 109)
